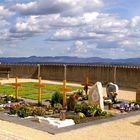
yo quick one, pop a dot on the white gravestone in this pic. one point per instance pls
(95, 96)
(112, 91)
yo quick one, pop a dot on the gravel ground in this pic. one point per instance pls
(124, 129)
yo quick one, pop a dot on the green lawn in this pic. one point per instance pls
(27, 90)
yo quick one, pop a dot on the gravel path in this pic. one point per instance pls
(124, 129)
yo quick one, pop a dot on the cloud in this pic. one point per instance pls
(63, 7)
(80, 47)
(83, 28)
(5, 12)
(135, 21)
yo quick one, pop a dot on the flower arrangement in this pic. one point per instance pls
(128, 106)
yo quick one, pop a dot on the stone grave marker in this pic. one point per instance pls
(112, 91)
(95, 96)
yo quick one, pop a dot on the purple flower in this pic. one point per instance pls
(126, 105)
(118, 106)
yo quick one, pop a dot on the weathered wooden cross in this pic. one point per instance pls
(64, 89)
(39, 85)
(16, 86)
(86, 84)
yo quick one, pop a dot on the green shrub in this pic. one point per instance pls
(2, 101)
(88, 110)
(78, 108)
(1, 109)
(58, 106)
(72, 116)
(13, 111)
(9, 98)
(104, 113)
(81, 115)
(38, 111)
(57, 97)
(24, 111)
(49, 112)
(98, 112)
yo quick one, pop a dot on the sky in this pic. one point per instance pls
(82, 28)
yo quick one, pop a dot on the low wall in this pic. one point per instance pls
(21, 70)
(124, 76)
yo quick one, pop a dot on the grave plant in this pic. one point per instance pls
(57, 97)
(128, 106)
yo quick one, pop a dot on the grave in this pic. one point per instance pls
(95, 96)
(112, 91)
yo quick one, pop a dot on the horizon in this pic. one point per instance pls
(71, 57)
(106, 29)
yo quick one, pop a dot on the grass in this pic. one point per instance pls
(27, 90)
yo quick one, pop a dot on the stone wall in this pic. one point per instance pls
(124, 76)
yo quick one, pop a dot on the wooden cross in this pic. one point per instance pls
(64, 89)
(16, 86)
(39, 86)
(86, 84)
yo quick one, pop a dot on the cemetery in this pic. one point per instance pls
(55, 108)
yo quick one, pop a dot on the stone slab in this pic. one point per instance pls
(56, 122)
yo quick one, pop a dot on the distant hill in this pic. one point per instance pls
(67, 59)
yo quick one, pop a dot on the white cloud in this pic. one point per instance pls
(5, 12)
(135, 21)
(81, 25)
(63, 33)
(64, 7)
(79, 48)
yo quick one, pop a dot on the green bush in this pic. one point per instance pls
(57, 97)
(78, 108)
(98, 112)
(58, 106)
(38, 111)
(9, 98)
(72, 116)
(1, 109)
(81, 115)
(24, 111)
(13, 111)
(2, 101)
(104, 113)
(89, 110)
